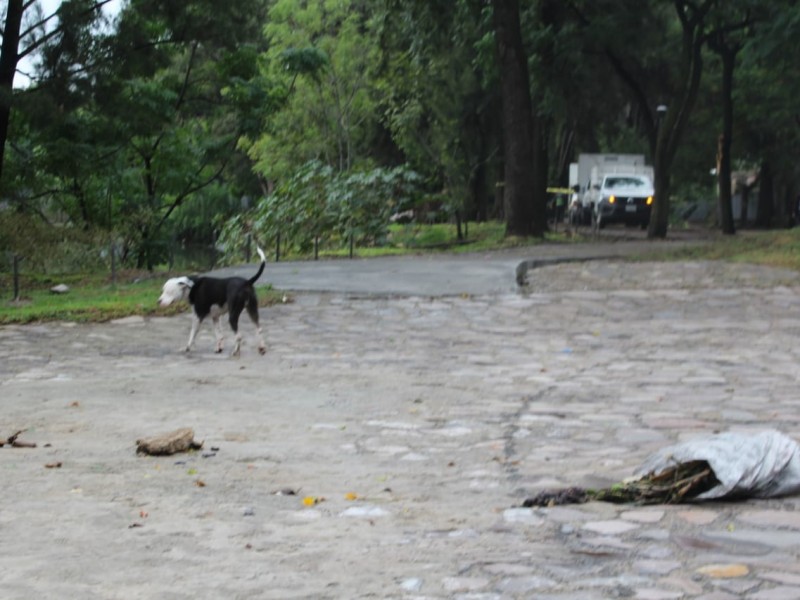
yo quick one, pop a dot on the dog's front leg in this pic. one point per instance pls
(193, 332)
(218, 332)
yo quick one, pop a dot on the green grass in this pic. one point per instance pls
(779, 248)
(439, 237)
(90, 299)
(93, 298)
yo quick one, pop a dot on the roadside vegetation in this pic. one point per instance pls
(158, 126)
(776, 248)
(93, 297)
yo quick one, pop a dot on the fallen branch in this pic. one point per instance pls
(15, 443)
(19, 444)
(180, 440)
(681, 483)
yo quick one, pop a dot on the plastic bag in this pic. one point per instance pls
(761, 465)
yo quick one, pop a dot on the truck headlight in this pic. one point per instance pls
(612, 199)
(649, 200)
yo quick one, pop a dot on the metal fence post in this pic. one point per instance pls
(113, 263)
(16, 260)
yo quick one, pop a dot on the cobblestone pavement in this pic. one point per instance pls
(419, 424)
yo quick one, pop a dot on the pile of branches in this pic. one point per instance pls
(680, 483)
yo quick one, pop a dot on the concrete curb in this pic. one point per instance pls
(526, 266)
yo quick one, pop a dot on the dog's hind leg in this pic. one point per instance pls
(237, 336)
(219, 334)
(252, 310)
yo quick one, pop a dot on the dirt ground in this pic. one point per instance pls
(380, 447)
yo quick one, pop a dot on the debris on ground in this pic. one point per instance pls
(180, 440)
(679, 483)
(14, 441)
(724, 466)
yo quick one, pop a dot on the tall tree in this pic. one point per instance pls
(39, 29)
(438, 73)
(183, 108)
(132, 125)
(768, 122)
(520, 137)
(653, 77)
(727, 36)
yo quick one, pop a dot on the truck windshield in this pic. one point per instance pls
(617, 182)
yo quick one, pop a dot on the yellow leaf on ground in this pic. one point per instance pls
(724, 571)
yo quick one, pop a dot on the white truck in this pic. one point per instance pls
(586, 178)
(624, 198)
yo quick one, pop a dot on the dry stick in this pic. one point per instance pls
(14, 443)
(13, 438)
(19, 444)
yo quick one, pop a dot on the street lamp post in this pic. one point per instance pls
(660, 203)
(661, 110)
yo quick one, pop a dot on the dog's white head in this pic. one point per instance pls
(175, 290)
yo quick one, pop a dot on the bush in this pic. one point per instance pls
(45, 248)
(319, 203)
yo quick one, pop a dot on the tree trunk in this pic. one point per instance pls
(9, 56)
(728, 55)
(517, 122)
(480, 209)
(659, 217)
(670, 128)
(744, 195)
(541, 161)
(766, 209)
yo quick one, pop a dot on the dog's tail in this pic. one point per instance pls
(255, 277)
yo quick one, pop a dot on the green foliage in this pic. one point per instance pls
(150, 131)
(42, 247)
(766, 91)
(442, 236)
(322, 55)
(318, 202)
(440, 96)
(146, 128)
(304, 61)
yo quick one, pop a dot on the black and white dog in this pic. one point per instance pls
(215, 296)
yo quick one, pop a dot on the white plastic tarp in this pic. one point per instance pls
(761, 465)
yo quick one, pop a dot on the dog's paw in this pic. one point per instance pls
(262, 350)
(218, 350)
